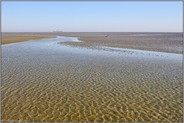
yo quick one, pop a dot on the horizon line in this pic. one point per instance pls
(90, 32)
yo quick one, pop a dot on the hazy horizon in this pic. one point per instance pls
(92, 16)
(89, 32)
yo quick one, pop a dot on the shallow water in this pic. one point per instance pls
(43, 80)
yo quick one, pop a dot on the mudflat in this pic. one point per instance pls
(163, 42)
(15, 39)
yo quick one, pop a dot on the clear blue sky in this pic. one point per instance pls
(92, 16)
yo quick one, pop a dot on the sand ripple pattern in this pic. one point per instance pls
(67, 87)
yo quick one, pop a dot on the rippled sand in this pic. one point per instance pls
(48, 85)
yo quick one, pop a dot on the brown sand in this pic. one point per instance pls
(15, 39)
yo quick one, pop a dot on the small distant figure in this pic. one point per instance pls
(106, 36)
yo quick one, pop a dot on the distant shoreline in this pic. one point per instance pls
(15, 39)
(156, 41)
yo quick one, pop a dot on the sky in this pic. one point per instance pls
(92, 16)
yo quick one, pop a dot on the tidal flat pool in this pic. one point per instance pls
(46, 81)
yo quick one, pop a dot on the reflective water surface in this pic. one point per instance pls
(43, 80)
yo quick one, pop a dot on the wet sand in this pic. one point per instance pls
(163, 42)
(15, 39)
(47, 81)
